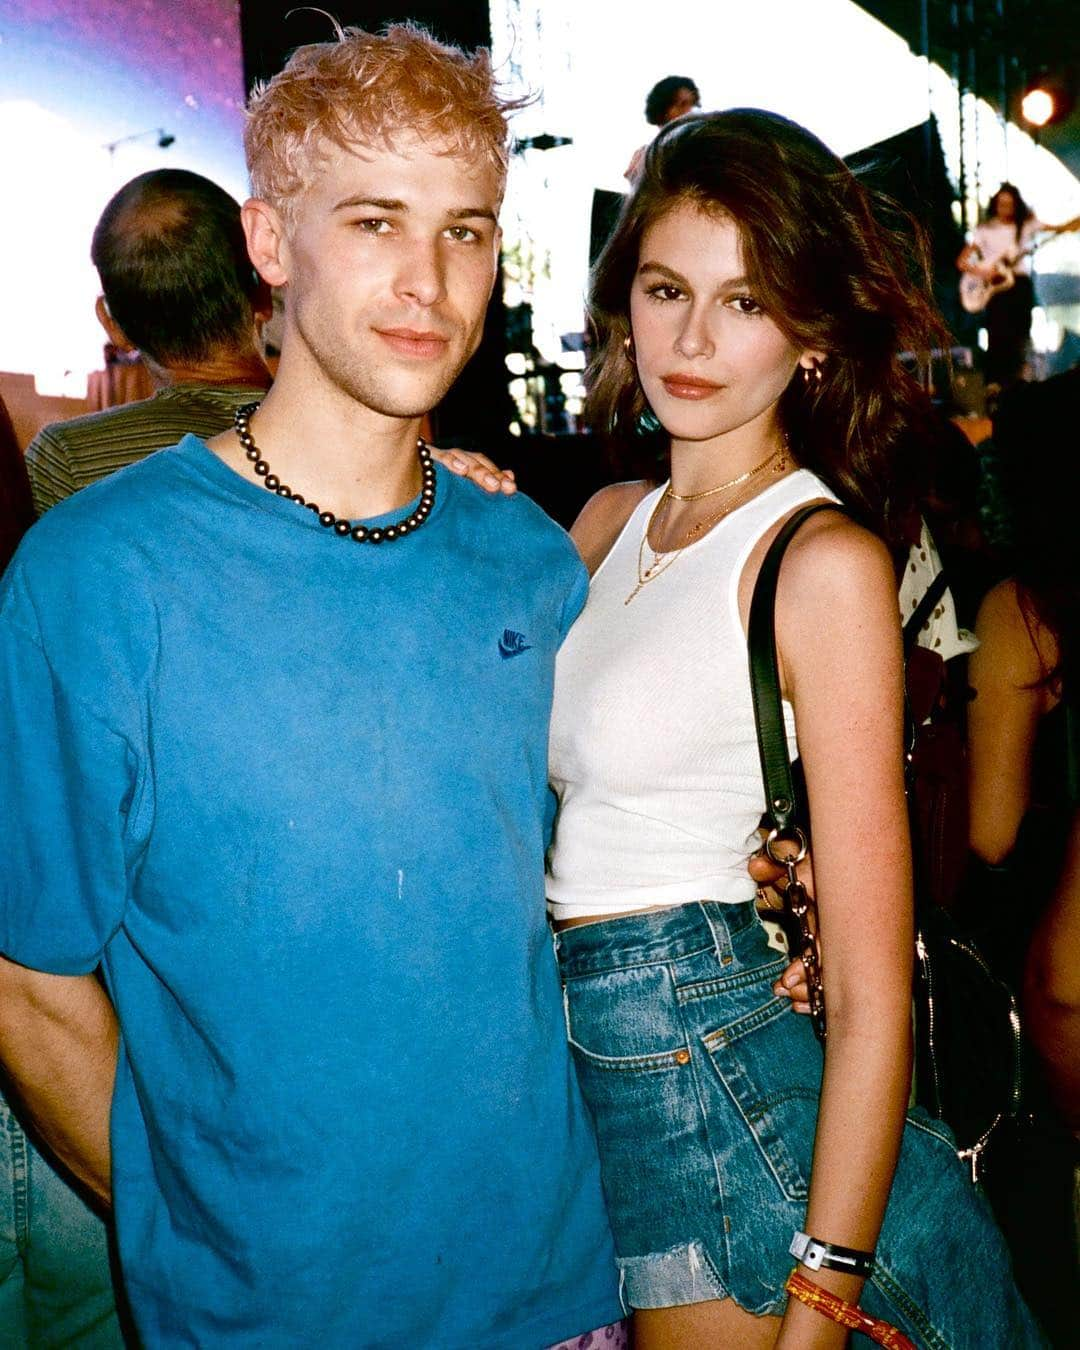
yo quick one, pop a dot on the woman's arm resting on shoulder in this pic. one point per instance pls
(58, 1042)
(477, 469)
(840, 650)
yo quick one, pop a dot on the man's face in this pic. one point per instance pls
(389, 267)
(685, 101)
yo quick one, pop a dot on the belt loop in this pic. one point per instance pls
(713, 915)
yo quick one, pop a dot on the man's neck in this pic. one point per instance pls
(232, 369)
(351, 460)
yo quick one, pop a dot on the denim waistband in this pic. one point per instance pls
(658, 935)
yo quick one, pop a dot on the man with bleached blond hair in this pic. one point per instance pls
(274, 756)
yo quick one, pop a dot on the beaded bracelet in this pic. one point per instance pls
(847, 1314)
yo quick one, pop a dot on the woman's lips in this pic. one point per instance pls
(689, 387)
(414, 342)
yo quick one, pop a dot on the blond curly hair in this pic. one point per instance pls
(366, 89)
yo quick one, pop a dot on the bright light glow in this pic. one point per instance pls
(59, 169)
(1037, 107)
(1046, 335)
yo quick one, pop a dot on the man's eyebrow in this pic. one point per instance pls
(473, 213)
(392, 204)
(380, 203)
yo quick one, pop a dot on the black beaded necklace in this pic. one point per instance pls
(345, 528)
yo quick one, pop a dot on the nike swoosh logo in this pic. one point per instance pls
(512, 644)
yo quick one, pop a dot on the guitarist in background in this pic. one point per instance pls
(999, 255)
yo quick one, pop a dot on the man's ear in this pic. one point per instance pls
(262, 302)
(265, 236)
(113, 331)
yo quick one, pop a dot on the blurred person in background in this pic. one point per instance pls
(996, 268)
(1024, 790)
(178, 286)
(671, 97)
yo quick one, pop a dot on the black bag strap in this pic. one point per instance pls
(921, 614)
(785, 809)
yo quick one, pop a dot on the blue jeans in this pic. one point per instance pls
(55, 1285)
(704, 1088)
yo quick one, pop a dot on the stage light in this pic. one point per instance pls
(1038, 107)
(1049, 98)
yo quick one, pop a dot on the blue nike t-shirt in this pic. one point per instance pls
(289, 792)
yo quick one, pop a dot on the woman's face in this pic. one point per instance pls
(709, 359)
(1005, 208)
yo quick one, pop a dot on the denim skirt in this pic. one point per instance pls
(703, 1087)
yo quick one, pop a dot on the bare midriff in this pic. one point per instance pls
(560, 924)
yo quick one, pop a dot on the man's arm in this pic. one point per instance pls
(58, 1041)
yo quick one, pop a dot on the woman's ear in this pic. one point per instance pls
(812, 360)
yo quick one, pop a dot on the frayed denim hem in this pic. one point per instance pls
(683, 1274)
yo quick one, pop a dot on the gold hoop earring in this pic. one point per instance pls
(628, 348)
(812, 374)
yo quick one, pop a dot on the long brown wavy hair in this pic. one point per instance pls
(830, 271)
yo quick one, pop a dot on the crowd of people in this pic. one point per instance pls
(383, 943)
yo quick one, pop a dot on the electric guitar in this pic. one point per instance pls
(977, 288)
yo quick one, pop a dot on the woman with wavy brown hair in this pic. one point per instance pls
(750, 303)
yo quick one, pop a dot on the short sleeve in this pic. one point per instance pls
(575, 599)
(67, 781)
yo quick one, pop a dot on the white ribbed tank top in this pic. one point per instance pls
(653, 752)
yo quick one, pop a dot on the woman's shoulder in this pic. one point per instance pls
(832, 559)
(603, 517)
(1012, 641)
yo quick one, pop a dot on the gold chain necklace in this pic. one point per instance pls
(663, 560)
(742, 478)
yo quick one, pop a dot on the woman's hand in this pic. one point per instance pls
(477, 469)
(768, 875)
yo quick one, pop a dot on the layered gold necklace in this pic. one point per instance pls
(663, 559)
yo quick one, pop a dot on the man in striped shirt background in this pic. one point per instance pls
(177, 284)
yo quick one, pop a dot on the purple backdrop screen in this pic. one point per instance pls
(77, 76)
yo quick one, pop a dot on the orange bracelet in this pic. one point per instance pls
(847, 1314)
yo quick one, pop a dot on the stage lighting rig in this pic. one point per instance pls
(164, 139)
(545, 141)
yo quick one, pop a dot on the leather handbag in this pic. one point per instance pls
(968, 1044)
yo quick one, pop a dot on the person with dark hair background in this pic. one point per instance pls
(753, 304)
(671, 97)
(999, 256)
(1024, 791)
(177, 284)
